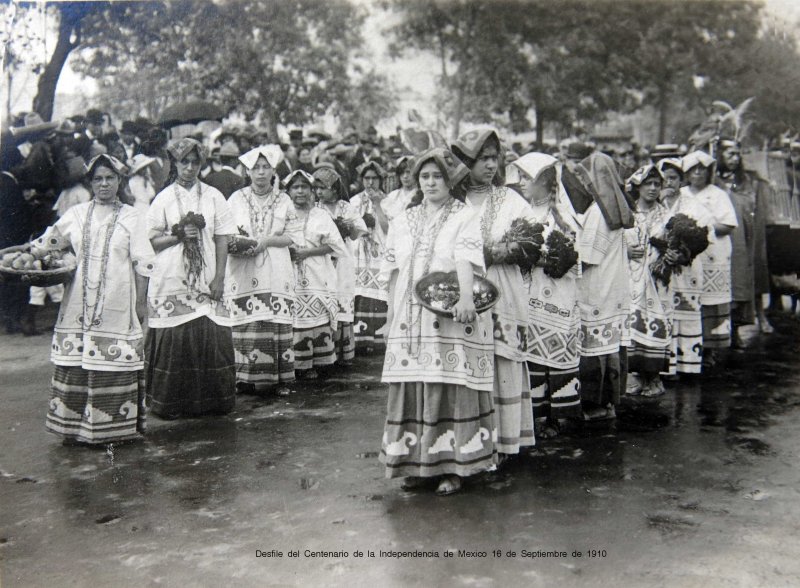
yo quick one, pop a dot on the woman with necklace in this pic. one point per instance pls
(315, 283)
(651, 301)
(190, 361)
(554, 318)
(98, 386)
(686, 354)
(332, 199)
(497, 207)
(259, 289)
(698, 167)
(370, 300)
(440, 423)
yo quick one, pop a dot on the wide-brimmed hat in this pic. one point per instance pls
(33, 127)
(229, 149)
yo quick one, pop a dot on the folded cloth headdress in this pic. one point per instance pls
(638, 177)
(328, 177)
(697, 157)
(533, 164)
(367, 165)
(272, 153)
(292, 178)
(115, 164)
(673, 162)
(182, 147)
(454, 171)
(471, 143)
(606, 189)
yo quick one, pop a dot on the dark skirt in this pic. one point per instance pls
(370, 315)
(263, 353)
(646, 360)
(96, 407)
(603, 378)
(190, 369)
(313, 347)
(345, 345)
(554, 393)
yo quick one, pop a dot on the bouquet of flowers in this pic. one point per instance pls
(242, 244)
(192, 250)
(560, 254)
(684, 237)
(369, 220)
(343, 226)
(523, 245)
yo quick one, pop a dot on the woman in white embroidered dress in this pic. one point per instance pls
(497, 207)
(190, 362)
(332, 198)
(686, 353)
(370, 300)
(398, 200)
(259, 289)
(440, 423)
(603, 291)
(554, 318)
(315, 283)
(698, 167)
(651, 301)
(97, 388)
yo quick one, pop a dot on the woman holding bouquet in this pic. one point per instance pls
(370, 299)
(554, 318)
(686, 355)
(190, 361)
(497, 208)
(716, 311)
(97, 391)
(315, 283)
(651, 300)
(332, 198)
(259, 289)
(440, 423)
(603, 290)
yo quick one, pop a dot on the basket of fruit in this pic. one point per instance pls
(242, 244)
(36, 267)
(439, 292)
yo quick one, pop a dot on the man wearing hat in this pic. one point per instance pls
(227, 180)
(128, 139)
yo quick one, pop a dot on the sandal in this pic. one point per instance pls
(414, 483)
(654, 389)
(549, 429)
(449, 485)
(634, 387)
(595, 414)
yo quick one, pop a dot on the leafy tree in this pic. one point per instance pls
(368, 100)
(280, 62)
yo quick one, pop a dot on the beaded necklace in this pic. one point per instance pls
(259, 211)
(419, 225)
(86, 244)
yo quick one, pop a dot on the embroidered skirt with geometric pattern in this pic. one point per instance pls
(370, 315)
(555, 393)
(686, 353)
(313, 347)
(96, 407)
(716, 326)
(264, 353)
(437, 429)
(344, 343)
(512, 405)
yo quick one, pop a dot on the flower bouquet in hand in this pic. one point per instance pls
(343, 226)
(242, 244)
(521, 245)
(684, 240)
(369, 220)
(560, 255)
(192, 249)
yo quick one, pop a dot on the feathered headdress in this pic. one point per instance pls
(724, 121)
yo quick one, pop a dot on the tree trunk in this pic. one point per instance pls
(663, 104)
(459, 113)
(539, 126)
(69, 20)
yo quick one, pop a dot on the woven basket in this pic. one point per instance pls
(32, 277)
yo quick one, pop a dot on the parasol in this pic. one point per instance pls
(189, 113)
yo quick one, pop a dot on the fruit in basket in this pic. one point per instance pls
(439, 292)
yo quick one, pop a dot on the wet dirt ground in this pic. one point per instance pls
(698, 488)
